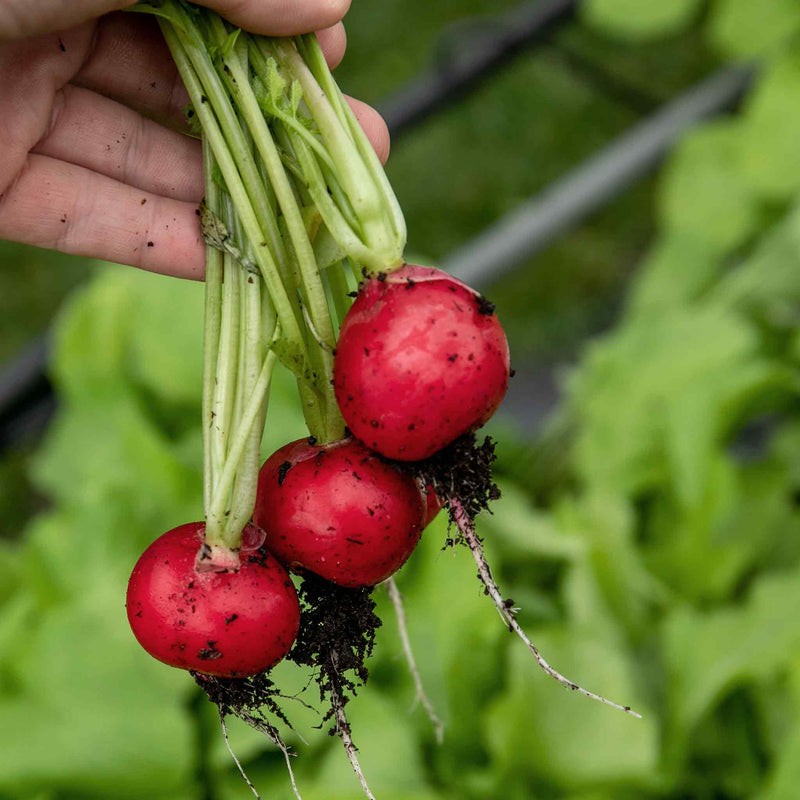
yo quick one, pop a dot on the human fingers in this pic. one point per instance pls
(130, 63)
(22, 18)
(92, 131)
(280, 17)
(374, 126)
(333, 42)
(66, 207)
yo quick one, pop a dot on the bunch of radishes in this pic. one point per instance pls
(299, 218)
(421, 360)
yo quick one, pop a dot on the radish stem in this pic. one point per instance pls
(212, 456)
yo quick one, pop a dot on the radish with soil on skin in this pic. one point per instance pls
(339, 510)
(421, 360)
(231, 624)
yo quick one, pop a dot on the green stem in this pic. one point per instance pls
(335, 221)
(213, 298)
(239, 275)
(260, 67)
(340, 289)
(296, 353)
(253, 409)
(239, 86)
(316, 304)
(245, 484)
(225, 387)
(366, 198)
(308, 46)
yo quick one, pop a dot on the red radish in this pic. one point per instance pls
(338, 510)
(229, 624)
(421, 360)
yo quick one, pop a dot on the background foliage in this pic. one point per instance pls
(650, 533)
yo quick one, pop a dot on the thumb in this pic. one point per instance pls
(280, 17)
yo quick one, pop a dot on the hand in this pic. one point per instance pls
(94, 159)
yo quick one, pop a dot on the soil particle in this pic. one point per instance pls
(485, 306)
(462, 470)
(337, 634)
(209, 653)
(282, 470)
(247, 698)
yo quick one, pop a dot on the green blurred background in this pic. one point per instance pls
(649, 529)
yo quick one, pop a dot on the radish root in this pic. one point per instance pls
(466, 527)
(419, 690)
(344, 733)
(272, 734)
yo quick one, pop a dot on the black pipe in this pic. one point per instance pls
(471, 59)
(26, 396)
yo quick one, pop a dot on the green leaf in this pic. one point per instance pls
(571, 741)
(88, 717)
(276, 83)
(784, 779)
(745, 522)
(768, 160)
(610, 587)
(527, 532)
(9, 576)
(327, 251)
(89, 347)
(710, 653)
(678, 269)
(295, 96)
(654, 362)
(292, 357)
(703, 195)
(743, 28)
(766, 287)
(388, 752)
(110, 448)
(705, 412)
(226, 48)
(130, 326)
(165, 350)
(633, 19)
(458, 641)
(155, 8)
